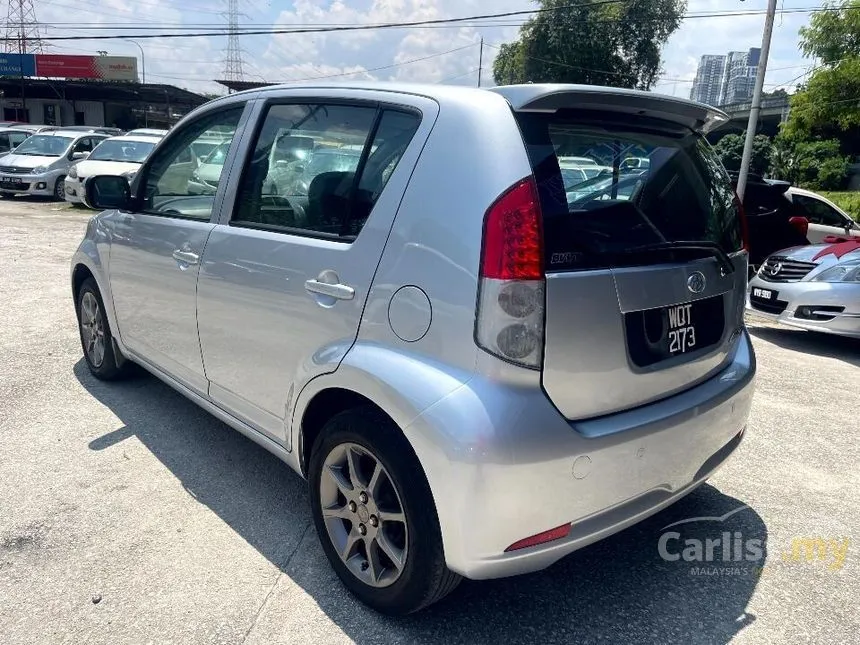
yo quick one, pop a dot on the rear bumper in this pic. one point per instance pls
(504, 465)
(793, 296)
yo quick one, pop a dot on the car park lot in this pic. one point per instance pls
(129, 515)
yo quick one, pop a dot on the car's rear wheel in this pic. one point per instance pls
(375, 516)
(60, 189)
(96, 337)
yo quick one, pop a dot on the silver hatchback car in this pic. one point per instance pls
(478, 368)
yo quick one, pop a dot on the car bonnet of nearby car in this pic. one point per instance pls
(827, 253)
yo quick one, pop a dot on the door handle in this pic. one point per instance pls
(185, 256)
(339, 291)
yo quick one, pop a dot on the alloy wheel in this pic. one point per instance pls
(92, 329)
(363, 515)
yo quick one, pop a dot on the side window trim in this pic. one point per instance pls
(359, 171)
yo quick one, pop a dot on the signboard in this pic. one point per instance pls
(107, 68)
(17, 65)
(114, 68)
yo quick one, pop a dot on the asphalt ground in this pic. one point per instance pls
(128, 515)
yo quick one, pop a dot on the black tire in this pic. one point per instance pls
(60, 189)
(113, 366)
(425, 578)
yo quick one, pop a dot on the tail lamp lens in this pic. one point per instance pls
(510, 316)
(513, 249)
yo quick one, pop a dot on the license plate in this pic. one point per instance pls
(764, 294)
(10, 180)
(682, 331)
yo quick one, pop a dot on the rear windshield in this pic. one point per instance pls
(653, 183)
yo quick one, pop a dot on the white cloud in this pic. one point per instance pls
(194, 63)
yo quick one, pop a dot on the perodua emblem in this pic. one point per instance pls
(696, 282)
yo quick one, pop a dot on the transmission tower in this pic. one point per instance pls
(23, 32)
(233, 62)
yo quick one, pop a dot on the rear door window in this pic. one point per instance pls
(657, 183)
(317, 169)
(819, 212)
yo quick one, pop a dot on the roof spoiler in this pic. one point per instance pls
(552, 97)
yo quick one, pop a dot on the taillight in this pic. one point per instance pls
(510, 316)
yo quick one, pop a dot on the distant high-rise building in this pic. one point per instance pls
(723, 80)
(740, 75)
(708, 86)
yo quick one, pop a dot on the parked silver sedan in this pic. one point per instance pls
(476, 375)
(814, 287)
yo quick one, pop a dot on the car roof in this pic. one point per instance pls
(65, 134)
(135, 137)
(543, 97)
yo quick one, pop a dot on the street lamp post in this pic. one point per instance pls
(755, 106)
(142, 58)
(143, 78)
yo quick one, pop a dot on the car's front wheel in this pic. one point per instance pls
(60, 189)
(96, 337)
(375, 516)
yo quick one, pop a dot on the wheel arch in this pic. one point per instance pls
(400, 385)
(87, 263)
(80, 273)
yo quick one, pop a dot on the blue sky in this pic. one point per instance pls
(193, 63)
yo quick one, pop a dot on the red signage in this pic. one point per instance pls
(120, 68)
(63, 66)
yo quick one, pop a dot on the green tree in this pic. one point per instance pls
(590, 42)
(814, 164)
(730, 150)
(833, 35)
(828, 106)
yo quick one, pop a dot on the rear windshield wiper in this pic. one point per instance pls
(712, 248)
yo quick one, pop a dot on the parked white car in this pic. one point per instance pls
(825, 217)
(115, 156)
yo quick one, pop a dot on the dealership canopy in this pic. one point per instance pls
(108, 68)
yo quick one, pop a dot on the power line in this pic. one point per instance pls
(362, 27)
(576, 67)
(456, 76)
(421, 24)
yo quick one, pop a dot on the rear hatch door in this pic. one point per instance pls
(645, 268)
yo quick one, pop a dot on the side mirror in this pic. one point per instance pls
(104, 192)
(801, 224)
(80, 155)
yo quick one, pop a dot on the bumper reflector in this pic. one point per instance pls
(547, 536)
